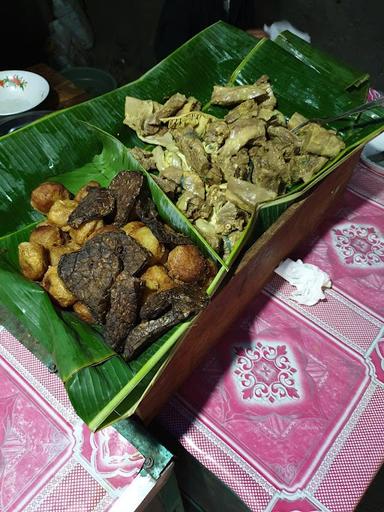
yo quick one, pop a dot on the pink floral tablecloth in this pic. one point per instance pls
(49, 460)
(288, 410)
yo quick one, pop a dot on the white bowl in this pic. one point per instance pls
(21, 91)
(373, 153)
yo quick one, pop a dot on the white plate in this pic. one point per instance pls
(373, 153)
(21, 91)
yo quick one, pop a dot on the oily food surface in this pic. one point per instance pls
(106, 255)
(217, 170)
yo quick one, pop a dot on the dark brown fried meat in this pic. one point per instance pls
(125, 188)
(146, 211)
(133, 256)
(90, 272)
(122, 315)
(98, 203)
(162, 311)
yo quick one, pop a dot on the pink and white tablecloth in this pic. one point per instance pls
(288, 410)
(49, 460)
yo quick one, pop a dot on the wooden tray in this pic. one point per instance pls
(254, 270)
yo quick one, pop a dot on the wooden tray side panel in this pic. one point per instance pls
(256, 267)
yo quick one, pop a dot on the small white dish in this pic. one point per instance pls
(373, 153)
(20, 91)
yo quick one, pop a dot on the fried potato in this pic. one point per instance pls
(186, 263)
(147, 239)
(144, 236)
(60, 211)
(156, 278)
(56, 252)
(132, 227)
(81, 234)
(83, 312)
(43, 197)
(84, 190)
(33, 260)
(46, 235)
(53, 284)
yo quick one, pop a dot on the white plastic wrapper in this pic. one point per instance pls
(279, 26)
(308, 280)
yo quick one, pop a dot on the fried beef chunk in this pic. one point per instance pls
(171, 106)
(122, 316)
(145, 158)
(98, 203)
(189, 143)
(162, 311)
(146, 211)
(133, 256)
(90, 272)
(125, 188)
(167, 186)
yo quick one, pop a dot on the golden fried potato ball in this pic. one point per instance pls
(43, 197)
(156, 278)
(83, 312)
(186, 263)
(147, 239)
(53, 284)
(132, 227)
(33, 260)
(56, 252)
(46, 235)
(81, 234)
(60, 211)
(144, 236)
(84, 190)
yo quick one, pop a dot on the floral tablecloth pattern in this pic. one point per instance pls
(288, 409)
(49, 460)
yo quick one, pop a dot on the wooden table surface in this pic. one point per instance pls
(63, 93)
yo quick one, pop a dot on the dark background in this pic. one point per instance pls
(124, 32)
(349, 29)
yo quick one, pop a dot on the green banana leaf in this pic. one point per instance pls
(325, 65)
(89, 141)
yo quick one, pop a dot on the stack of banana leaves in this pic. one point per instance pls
(90, 142)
